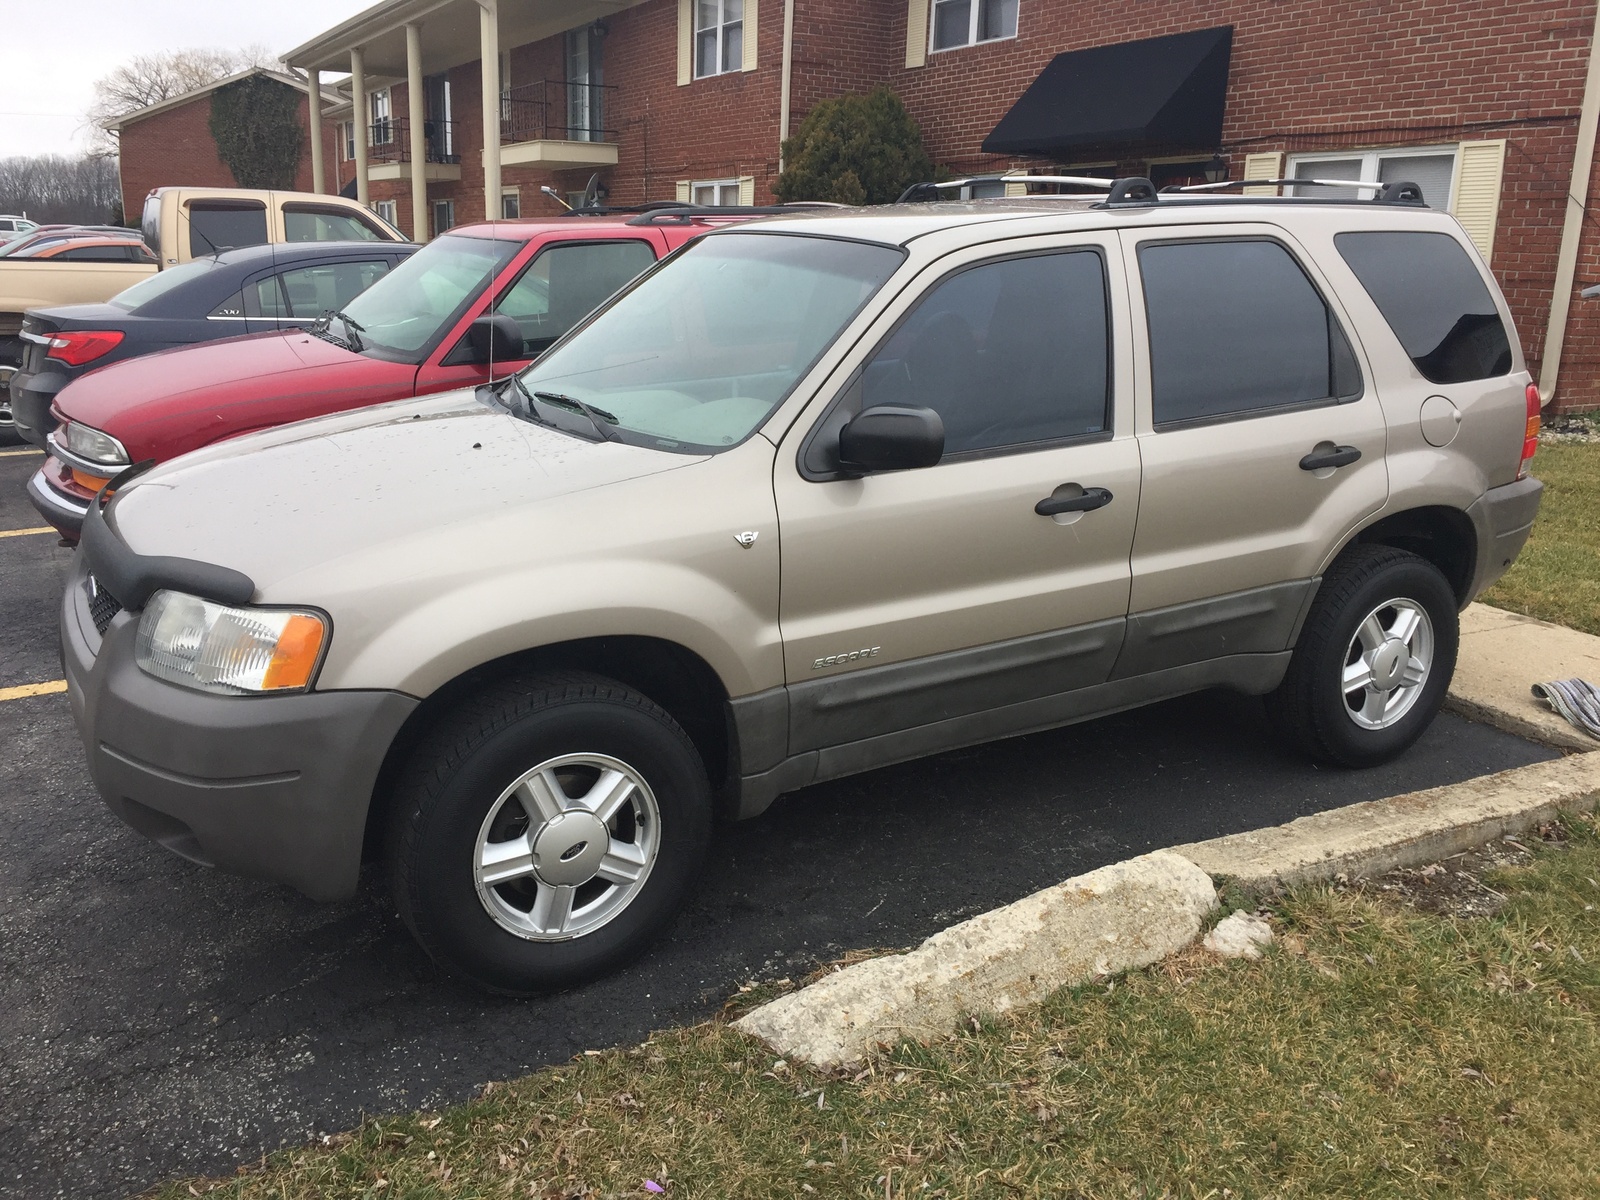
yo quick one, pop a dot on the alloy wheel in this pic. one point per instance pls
(1387, 663)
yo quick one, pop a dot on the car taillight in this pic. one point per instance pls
(1530, 434)
(78, 346)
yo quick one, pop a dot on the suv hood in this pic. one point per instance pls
(384, 483)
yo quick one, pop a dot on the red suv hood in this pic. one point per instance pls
(162, 405)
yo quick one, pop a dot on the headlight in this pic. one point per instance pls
(230, 651)
(95, 446)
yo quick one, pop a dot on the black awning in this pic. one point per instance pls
(1163, 92)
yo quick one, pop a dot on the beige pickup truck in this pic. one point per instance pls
(178, 224)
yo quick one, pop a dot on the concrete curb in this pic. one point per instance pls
(1118, 918)
(1363, 840)
(1130, 914)
(1133, 913)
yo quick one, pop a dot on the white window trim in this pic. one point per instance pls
(387, 120)
(1369, 163)
(972, 29)
(389, 210)
(433, 211)
(722, 25)
(734, 183)
(510, 191)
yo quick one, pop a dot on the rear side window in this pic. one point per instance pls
(1007, 353)
(214, 228)
(328, 287)
(1429, 290)
(566, 283)
(302, 224)
(1237, 328)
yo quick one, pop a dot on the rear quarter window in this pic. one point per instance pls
(1430, 292)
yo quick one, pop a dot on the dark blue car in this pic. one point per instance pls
(256, 289)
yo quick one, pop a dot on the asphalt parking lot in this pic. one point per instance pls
(158, 1018)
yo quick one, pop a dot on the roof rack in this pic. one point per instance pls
(1134, 190)
(683, 213)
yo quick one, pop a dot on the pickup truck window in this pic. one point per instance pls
(302, 223)
(697, 354)
(215, 226)
(403, 315)
(566, 282)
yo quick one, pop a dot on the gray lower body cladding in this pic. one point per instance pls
(273, 787)
(1503, 517)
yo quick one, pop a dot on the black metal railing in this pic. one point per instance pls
(553, 110)
(389, 141)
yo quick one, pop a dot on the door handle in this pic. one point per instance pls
(1339, 456)
(1091, 499)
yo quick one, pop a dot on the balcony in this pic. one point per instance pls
(389, 150)
(556, 125)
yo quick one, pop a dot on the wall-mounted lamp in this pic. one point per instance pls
(1216, 171)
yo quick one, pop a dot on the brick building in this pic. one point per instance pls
(1489, 106)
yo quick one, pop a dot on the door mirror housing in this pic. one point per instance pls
(496, 337)
(892, 437)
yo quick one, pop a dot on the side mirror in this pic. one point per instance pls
(892, 437)
(496, 338)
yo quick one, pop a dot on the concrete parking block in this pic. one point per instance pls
(1503, 654)
(1118, 918)
(1363, 840)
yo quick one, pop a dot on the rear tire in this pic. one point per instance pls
(1374, 659)
(547, 832)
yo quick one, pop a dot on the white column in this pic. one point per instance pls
(489, 56)
(314, 113)
(419, 142)
(360, 117)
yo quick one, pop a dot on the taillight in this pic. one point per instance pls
(78, 346)
(1530, 434)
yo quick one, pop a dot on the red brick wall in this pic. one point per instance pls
(1306, 75)
(175, 148)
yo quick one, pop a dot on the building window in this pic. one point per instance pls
(715, 193)
(347, 140)
(718, 37)
(444, 216)
(1430, 168)
(510, 204)
(382, 130)
(966, 22)
(388, 210)
(505, 85)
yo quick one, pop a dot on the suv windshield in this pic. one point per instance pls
(402, 314)
(698, 353)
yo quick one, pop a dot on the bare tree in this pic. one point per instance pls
(151, 78)
(51, 188)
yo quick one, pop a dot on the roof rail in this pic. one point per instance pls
(1399, 192)
(930, 190)
(683, 213)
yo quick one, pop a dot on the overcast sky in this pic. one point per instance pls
(56, 49)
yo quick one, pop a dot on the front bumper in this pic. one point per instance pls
(1503, 517)
(273, 787)
(61, 508)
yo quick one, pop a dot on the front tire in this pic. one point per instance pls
(548, 832)
(1374, 659)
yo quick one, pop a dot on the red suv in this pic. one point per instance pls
(474, 304)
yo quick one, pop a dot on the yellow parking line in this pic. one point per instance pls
(5, 533)
(33, 689)
(18, 453)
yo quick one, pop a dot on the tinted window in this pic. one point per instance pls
(215, 227)
(1006, 353)
(325, 225)
(566, 283)
(1236, 327)
(328, 287)
(102, 254)
(264, 298)
(1430, 292)
(155, 286)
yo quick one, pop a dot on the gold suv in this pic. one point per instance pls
(815, 494)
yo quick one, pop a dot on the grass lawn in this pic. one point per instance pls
(1378, 1050)
(1557, 577)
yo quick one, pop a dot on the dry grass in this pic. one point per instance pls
(1377, 1051)
(1557, 577)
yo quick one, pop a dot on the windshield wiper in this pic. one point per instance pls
(597, 416)
(323, 328)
